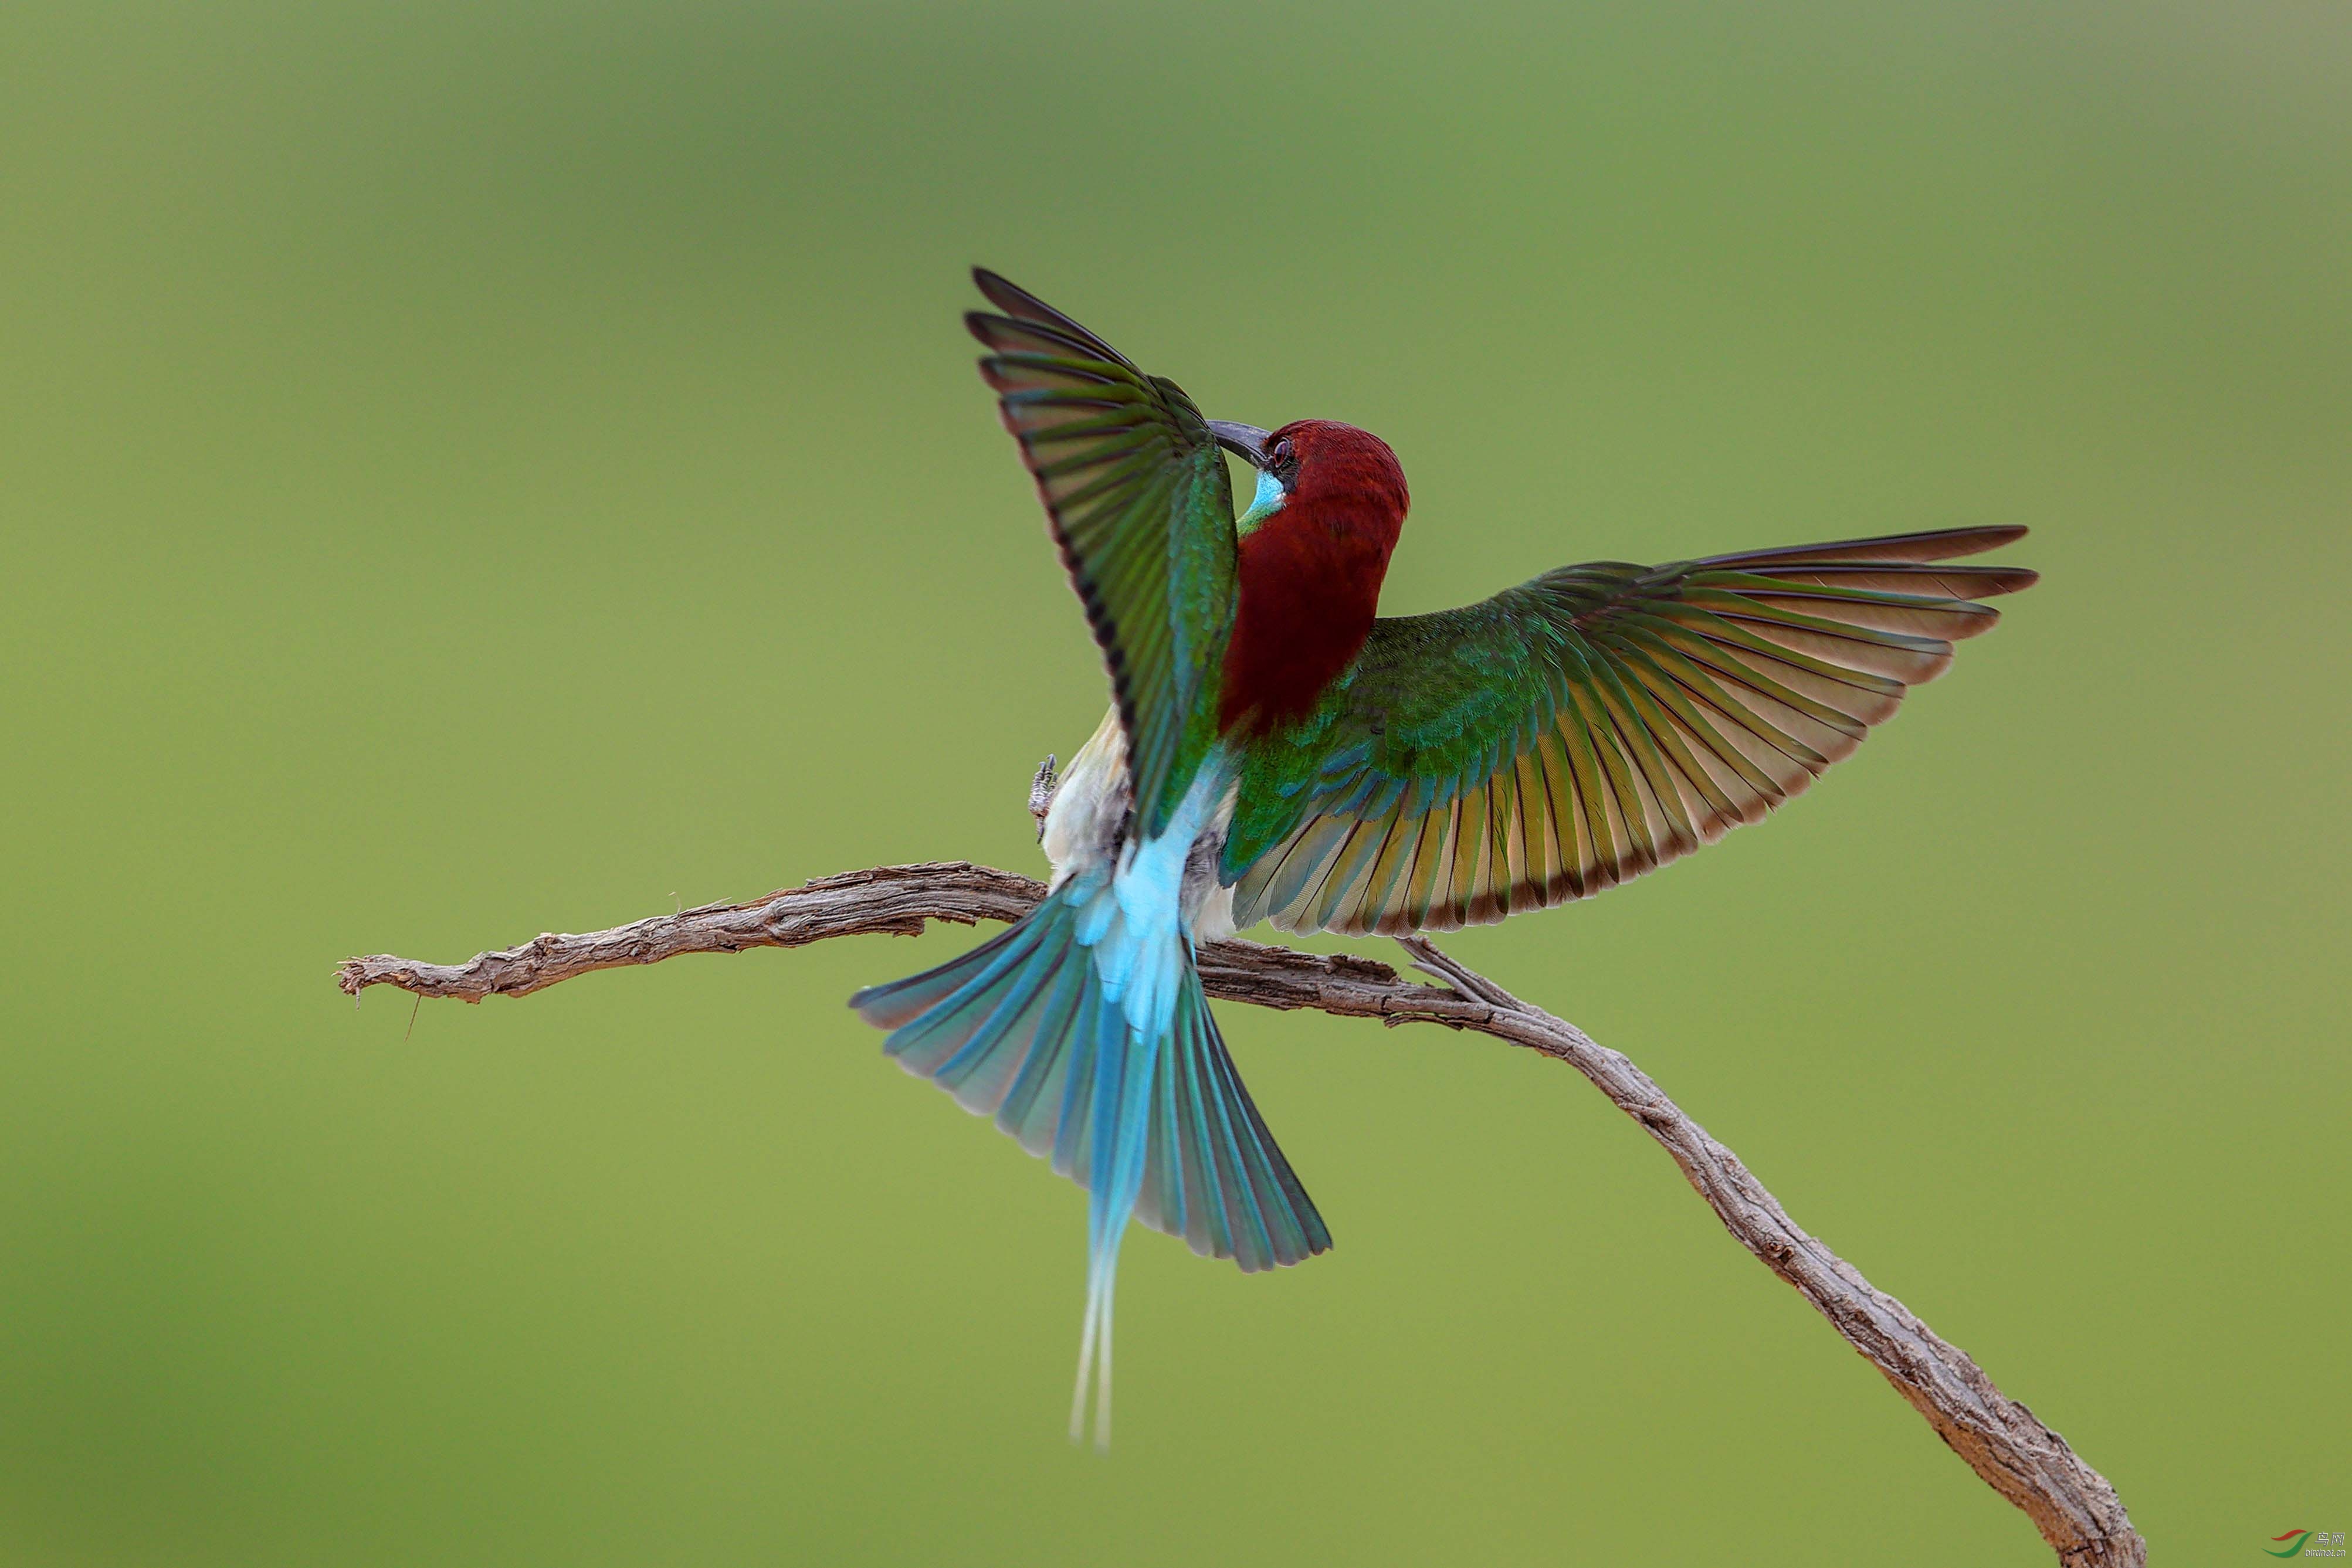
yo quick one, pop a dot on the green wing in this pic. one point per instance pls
(1582, 728)
(1136, 493)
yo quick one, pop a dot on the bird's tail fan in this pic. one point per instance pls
(1029, 1028)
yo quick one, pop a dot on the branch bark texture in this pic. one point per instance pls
(2077, 1513)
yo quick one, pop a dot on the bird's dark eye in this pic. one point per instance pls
(1283, 452)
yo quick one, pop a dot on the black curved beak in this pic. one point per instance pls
(1246, 442)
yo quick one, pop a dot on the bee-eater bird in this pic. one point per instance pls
(1277, 751)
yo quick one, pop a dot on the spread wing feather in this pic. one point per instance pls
(1582, 728)
(1136, 494)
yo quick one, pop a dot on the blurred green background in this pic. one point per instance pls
(474, 469)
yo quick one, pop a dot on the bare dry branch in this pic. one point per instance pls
(892, 899)
(2014, 1453)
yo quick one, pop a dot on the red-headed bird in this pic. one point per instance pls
(1277, 751)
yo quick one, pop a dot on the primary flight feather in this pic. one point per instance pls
(1277, 751)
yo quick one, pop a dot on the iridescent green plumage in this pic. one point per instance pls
(1136, 493)
(1584, 728)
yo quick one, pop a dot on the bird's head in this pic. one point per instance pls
(1344, 478)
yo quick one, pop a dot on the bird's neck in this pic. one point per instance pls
(1308, 581)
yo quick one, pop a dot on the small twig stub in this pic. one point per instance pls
(1041, 791)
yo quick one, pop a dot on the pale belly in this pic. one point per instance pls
(1089, 808)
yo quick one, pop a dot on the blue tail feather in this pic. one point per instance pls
(1215, 1174)
(1032, 1028)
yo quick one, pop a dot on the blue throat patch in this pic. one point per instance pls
(1263, 505)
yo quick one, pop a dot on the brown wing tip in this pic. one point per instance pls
(1988, 581)
(1934, 545)
(1028, 310)
(1976, 541)
(1004, 293)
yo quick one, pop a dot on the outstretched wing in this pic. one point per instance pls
(1136, 493)
(1582, 728)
